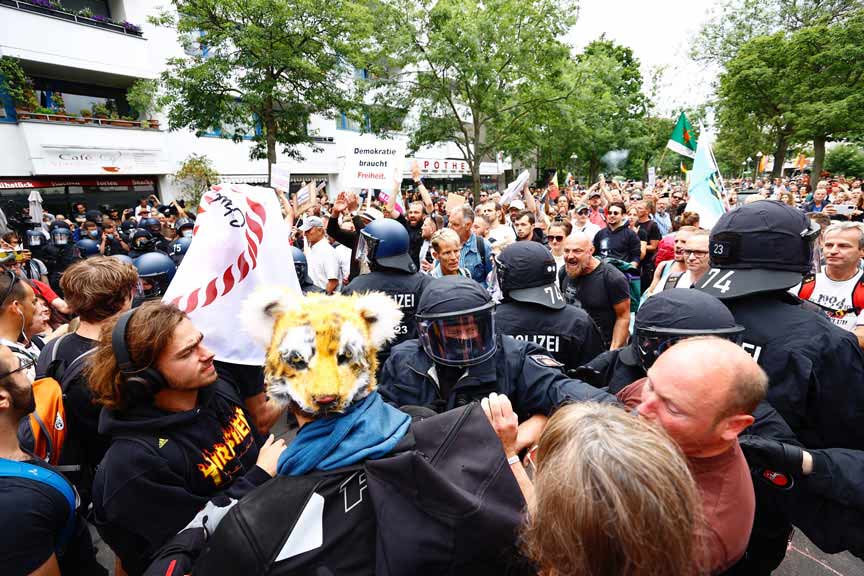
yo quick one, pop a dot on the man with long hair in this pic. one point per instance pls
(180, 433)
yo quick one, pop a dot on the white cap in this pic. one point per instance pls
(517, 204)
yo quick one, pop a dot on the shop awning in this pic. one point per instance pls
(12, 184)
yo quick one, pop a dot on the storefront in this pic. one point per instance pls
(59, 194)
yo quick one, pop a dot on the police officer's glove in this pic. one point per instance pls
(771, 454)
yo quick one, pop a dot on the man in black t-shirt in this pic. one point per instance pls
(599, 288)
(37, 505)
(649, 232)
(96, 289)
(617, 240)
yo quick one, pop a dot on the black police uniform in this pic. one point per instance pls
(307, 287)
(815, 369)
(57, 259)
(568, 334)
(534, 310)
(402, 287)
(522, 370)
(611, 370)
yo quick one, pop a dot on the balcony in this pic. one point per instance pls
(45, 8)
(66, 148)
(53, 43)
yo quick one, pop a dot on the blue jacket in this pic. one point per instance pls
(531, 379)
(471, 260)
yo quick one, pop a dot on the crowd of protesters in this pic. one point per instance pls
(669, 399)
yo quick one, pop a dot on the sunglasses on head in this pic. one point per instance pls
(22, 365)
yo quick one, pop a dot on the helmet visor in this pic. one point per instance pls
(154, 286)
(651, 342)
(459, 339)
(60, 237)
(366, 247)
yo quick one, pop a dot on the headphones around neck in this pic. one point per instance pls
(141, 383)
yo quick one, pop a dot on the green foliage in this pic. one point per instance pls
(143, 97)
(846, 160)
(16, 84)
(86, 12)
(269, 62)
(100, 110)
(481, 74)
(603, 112)
(195, 176)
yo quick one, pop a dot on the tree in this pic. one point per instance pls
(195, 176)
(754, 97)
(827, 104)
(736, 22)
(845, 159)
(479, 73)
(265, 66)
(603, 111)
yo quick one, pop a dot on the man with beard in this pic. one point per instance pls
(34, 499)
(598, 287)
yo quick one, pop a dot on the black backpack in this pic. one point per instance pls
(445, 502)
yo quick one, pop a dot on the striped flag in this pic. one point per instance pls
(239, 244)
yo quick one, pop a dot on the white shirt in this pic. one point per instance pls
(835, 300)
(323, 263)
(343, 256)
(590, 229)
(499, 233)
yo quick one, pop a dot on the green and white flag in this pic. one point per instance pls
(683, 141)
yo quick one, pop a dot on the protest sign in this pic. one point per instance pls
(454, 200)
(280, 178)
(372, 162)
(652, 176)
(514, 190)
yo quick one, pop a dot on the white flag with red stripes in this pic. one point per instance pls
(240, 242)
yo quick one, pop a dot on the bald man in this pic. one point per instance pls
(600, 288)
(703, 392)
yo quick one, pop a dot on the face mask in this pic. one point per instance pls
(109, 236)
(93, 233)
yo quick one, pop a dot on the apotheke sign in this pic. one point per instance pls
(438, 167)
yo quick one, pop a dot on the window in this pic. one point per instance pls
(343, 122)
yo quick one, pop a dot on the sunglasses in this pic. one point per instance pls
(22, 365)
(615, 213)
(556, 238)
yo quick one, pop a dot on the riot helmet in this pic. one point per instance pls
(526, 272)
(142, 240)
(301, 266)
(152, 225)
(384, 244)
(127, 228)
(88, 247)
(674, 315)
(177, 249)
(94, 216)
(184, 227)
(456, 322)
(155, 270)
(35, 239)
(123, 258)
(60, 232)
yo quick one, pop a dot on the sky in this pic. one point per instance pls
(660, 33)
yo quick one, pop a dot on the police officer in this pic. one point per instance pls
(156, 270)
(664, 319)
(457, 358)
(141, 242)
(87, 247)
(178, 248)
(533, 308)
(815, 369)
(60, 254)
(127, 229)
(154, 227)
(301, 267)
(385, 245)
(184, 227)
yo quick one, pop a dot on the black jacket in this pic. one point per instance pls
(568, 334)
(347, 239)
(402, 287)
(522, 370)
(163, 467)
(612, 370)
(443, 502)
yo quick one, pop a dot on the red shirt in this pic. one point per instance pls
(728, 500)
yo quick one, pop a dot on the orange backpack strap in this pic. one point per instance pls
(808, 284)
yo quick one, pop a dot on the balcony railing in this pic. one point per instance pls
(46, 9)
(88, 120)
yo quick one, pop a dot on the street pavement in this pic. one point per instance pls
(803, 558)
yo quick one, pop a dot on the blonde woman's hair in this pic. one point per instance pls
(613, 495)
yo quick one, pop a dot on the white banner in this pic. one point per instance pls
(372, 162)
(240, 243)
(514, 190)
